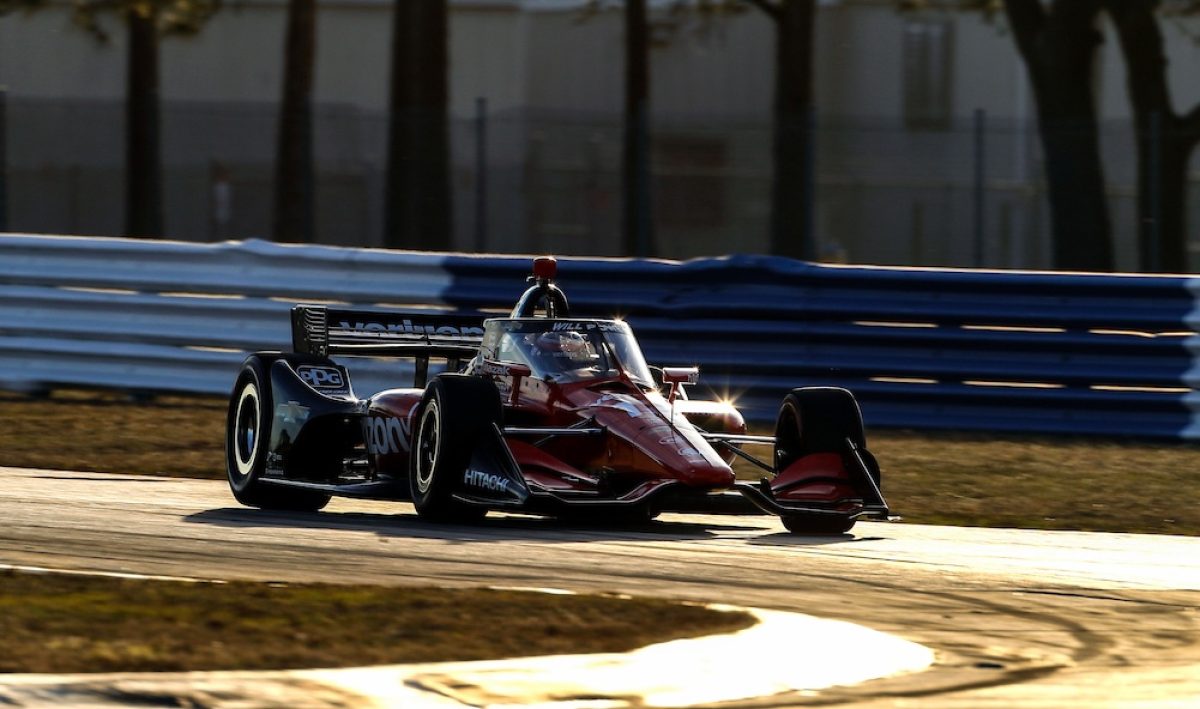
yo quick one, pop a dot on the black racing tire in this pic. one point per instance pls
(247, 441)
(456, 413)
(817, 524)
(819, 420)
(816, 420)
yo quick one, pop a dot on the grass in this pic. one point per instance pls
(1088, 484)
(107, 432)
(59, 623)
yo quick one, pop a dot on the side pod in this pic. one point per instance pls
(311, 431)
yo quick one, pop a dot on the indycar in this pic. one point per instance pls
(539, 412)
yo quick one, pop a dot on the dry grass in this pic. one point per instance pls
(107, 432)
(53, 623)
(1039, 482)
(940, 478)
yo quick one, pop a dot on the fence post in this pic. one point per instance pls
(480, 174)
(809, 235)
(1154, 253)
(3, 158)
(980, 194)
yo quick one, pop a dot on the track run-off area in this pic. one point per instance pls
(1015, 617)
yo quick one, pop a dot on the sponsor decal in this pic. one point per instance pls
(674, 441)
(621, 402)
(686, 451)
(319, 377)
(493, 369)
(408, 328)
(487, 481)
(503, 383)
(385, 435)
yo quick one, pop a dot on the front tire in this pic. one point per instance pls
(456, 413)
(819, 420)
(816, 420)
(247, 443)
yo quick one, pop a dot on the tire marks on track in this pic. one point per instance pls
(1009, 628)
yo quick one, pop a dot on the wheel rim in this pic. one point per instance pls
(245, 429)
(427, 446)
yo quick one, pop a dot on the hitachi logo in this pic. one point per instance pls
(487, 481)
(407, 328)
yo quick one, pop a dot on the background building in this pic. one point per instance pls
(899, 98)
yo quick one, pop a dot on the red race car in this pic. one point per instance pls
(538, 412)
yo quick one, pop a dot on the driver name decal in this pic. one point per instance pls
(576, 326)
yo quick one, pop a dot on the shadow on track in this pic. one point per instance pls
(496, 528)
(105, 478)
(787, 539)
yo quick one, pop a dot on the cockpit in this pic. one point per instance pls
(567, 350)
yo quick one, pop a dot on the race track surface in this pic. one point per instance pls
(1017, 618)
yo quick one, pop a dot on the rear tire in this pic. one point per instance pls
(455, 414)
(247, 443)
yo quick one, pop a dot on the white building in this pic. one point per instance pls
(896, 98)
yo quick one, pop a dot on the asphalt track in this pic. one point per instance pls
(1017, 618)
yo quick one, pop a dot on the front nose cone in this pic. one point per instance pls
(708, 475)
(693, 460)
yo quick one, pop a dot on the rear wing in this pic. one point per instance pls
(323, 331)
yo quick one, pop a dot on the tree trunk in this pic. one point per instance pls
(1165, 140)
(294, 193)
(1162, 198)
(1078, 207)
(143, 166)
(792, 188)
(418, 206)
(638, 231)
(1059, 48)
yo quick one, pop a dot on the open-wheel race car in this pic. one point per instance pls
(539, 412)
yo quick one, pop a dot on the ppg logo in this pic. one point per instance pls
(321, 377)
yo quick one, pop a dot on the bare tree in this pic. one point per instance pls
(1165, 139)
(1058, 42)
(418, 206)
(294, 192)
(792, 182)
(638, 231)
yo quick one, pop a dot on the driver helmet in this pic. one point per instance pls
(570, 345)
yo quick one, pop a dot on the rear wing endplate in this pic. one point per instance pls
(323, 331)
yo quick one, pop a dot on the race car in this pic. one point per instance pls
(539, 412)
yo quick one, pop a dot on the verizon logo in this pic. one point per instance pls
(408, 328)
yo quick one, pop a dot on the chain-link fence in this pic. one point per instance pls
(964, 194)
